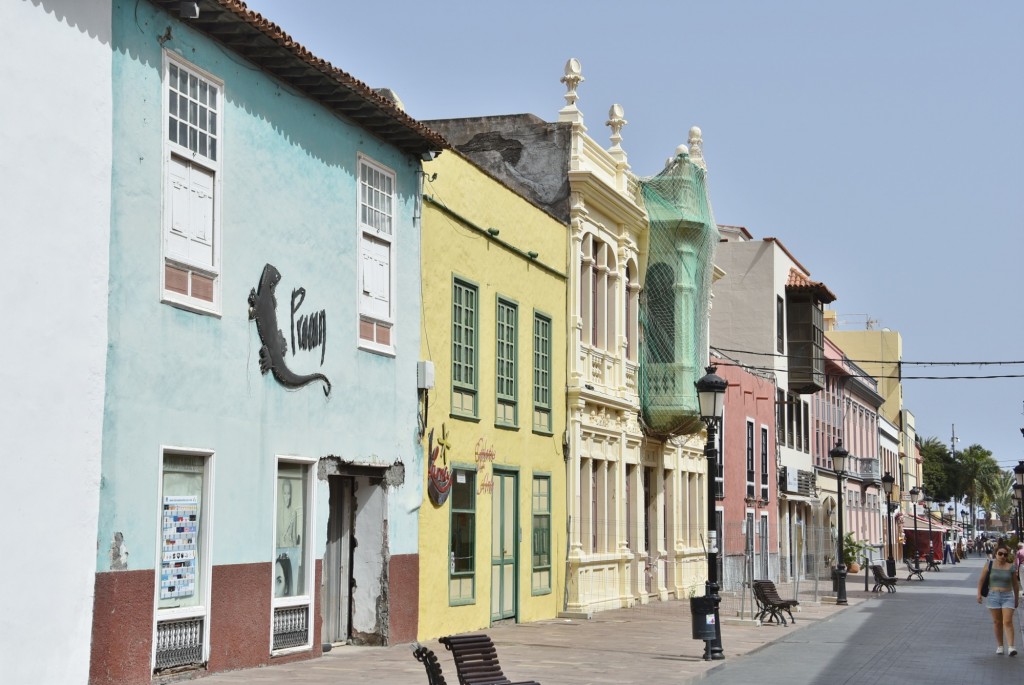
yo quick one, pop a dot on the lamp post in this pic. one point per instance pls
(1018, 498)
(711, 397)
(915, 495)
(1018, 491)
(839, 455)
(887, 483)
(1018, 474)
(928, 501)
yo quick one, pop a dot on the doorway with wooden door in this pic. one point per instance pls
(505, 536)
(337, 602)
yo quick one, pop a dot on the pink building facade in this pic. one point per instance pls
(847, 410)
(746, 484)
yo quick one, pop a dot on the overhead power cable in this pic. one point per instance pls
(884, 361)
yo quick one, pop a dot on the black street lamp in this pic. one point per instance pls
(711, 397)
(928, 501)
(887, 483)
(1018, 474)
(963, 515)
(1018, 495)
(915, 495)
(839, 455)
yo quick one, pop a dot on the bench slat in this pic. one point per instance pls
(476, 660)
(770, 605)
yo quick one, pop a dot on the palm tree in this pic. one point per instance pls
(997, 495)
(977, 468)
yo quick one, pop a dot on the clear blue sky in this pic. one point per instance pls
(881, 142)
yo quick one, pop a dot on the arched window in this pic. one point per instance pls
(598, 294)
(660, 329)
(631, 291)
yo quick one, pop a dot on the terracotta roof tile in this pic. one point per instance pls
(799, 281)
(266, 44)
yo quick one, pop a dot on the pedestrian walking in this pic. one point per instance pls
(1020, 555)
(1000, 575)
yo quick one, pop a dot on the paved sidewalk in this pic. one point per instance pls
(648, 644)
(927, 632)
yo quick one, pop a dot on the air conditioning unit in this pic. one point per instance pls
(424, 375)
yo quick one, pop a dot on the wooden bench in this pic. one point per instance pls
(913, 571)
(770, 605)
(426, 656)
(932, 564)
(476, 660)
(882, 580)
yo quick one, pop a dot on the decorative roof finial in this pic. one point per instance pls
(573, 77)
(616, 120)
(697, 148)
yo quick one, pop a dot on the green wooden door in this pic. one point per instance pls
(504, 546)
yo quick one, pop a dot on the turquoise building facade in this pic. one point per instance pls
(257, 499)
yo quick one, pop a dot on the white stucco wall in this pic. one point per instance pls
(56, 138)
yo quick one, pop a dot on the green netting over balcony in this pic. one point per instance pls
(676, 293)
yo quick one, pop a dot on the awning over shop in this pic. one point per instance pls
(922, 524)
(801, 498)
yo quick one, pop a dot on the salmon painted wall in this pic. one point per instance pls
(748, 399)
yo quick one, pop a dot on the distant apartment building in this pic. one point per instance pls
(847, 410)
(767, 314)
(879, 353)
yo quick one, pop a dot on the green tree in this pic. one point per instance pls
(977, 469)
(941, 472)
(997, 496)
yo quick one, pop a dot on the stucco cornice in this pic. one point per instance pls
(609, 201)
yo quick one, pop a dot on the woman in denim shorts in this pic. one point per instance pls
(1003, 596)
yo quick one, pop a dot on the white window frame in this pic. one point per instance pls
(765, 454)
(309, 491)
(750, 459)
(205, 537)
(465, 393)
(506, 403)
(171, 150)
(367, 232)
(542, 382)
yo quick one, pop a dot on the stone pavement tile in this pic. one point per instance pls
(645, 644)
(931, 631)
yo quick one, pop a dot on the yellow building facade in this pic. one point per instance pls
(492, 521)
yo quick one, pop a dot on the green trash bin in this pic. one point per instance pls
(702, 614)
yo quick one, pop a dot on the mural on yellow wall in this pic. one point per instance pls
(439, 475)
(484, 456)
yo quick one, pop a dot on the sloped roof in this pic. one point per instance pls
(265, 44)
(799, 281)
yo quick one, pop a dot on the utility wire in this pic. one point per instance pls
(897, 377)
(882, 361)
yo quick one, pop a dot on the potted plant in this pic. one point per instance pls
(854, 552)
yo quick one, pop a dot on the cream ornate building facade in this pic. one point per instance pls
(636, 505)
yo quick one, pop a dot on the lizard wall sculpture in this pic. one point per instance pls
(263, 309)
